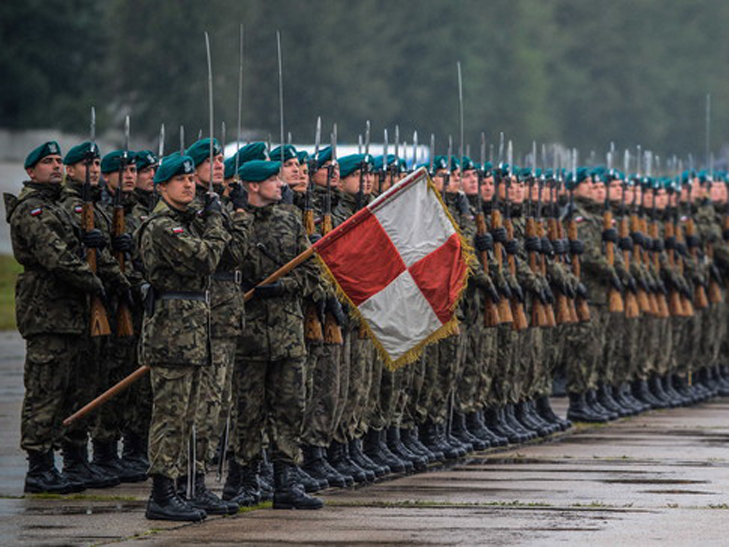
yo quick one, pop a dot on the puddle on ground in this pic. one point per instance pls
(58, 509)
(690, 492)
(652, 481)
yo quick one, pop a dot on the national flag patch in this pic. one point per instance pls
(79, 208)
(580, 219)
(402, 265)
(36, 212)
(178, 230)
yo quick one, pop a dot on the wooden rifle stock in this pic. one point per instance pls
(124, 325)
(676, 300)
(582, 308)
(644, 303)
(700, 301)
(632, 309)
(715, 296)
(312, 325)
(615, 299)
(563, 314)
(661, 301)
(505, 313)
(491, 310)
(539, 314)
(548, 308)
(332, 330)
(98, 321)
(517, 308)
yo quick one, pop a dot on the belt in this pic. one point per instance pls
(236, 276)
(183, 295)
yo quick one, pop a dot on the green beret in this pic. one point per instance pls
(402, 165)
(455, 163)
(350, 164)
(145, 158)
(200, 150)
(303, 157)
(173, 165)
(253, 151)
(440, 162)
(229, 168)
(112, 161)
(325, 154)
(289, 153)
(46, 149)
(379, 161)
(258, 170)
(79, 152)
(468, 164)
(525, 173)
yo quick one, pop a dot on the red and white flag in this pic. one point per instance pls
(401, 264)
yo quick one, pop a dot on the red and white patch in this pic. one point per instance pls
(178, 230)
(579, 219)
(79, 208)
(36, 212)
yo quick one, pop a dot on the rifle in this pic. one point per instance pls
(497, 222)
(382, 175)
(363, 168)
(124, 325)
(615, 298)
(662, 302)
(632, 309)
(582, 308)
(676, 299)
(98, 321)
(563, 313)
(539, 313)
(517, 307)
(312, 325)
(491, 309)
(700, 299)
(160, 156)
(332, 331)
(635, 233)
(566, 257)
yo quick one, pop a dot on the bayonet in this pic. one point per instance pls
(383, 171)
(415, 150)
(161, 146)
(359, 143)
(210, 100)
(182, 140)
(432, 153)
(460, 112)
(289, 139)
(280, 94)
(240, 102)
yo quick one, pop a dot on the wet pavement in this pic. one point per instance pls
(661, 478)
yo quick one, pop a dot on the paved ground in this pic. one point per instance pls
(662, 478)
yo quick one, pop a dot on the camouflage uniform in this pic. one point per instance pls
(51, 307)
(175, 338)
(271, 352)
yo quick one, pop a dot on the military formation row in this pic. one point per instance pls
(132, 261)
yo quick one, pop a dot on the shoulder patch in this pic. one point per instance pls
(178, 230)
(143, 218)
(79, 208)
(579, 219)
(36, 212)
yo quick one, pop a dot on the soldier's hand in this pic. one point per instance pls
(632, 285)
(518, 292)
(692, 241)
(715, 273)
(462, 204)
(662, 287)
(532, 244)
(238, 196)
(212, 204)
(559, 247)
(492, 293)
(272, 290)
(582, 291)
(568, 291)
(577, 247)
(499, 235)
(483, 242)
(548, 294)
(638, 238)
(610, 235)
(93, 239)
(506, 291)
(615, 282)
(313, 238)
(546, 245)
(335, 308)
(658, 245)
(625, 244)
(512, 246)
(122, 243)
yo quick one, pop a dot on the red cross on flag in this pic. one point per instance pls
(401, 264)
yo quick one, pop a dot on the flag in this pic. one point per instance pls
(402, 265)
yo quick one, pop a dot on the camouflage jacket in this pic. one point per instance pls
(51, 293)
(177, 260)
(275, 326)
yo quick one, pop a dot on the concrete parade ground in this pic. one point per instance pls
(659, 478)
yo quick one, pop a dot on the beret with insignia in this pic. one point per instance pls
(289, 153)
(440, 162)
(350, 164)
(325, 154)
(173, 165)
(145, 158)
(200, 151)
(78, 153)
(303, 156)
(252, 151)
(258, 170)
(468, 164)
(112, 161)
(49, 148)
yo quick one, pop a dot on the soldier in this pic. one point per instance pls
(271, 352)
(51, 309)
(178, 260)
(146, 162)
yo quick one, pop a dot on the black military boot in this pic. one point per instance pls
(627, 404)
(708, 381)
(476, 425)
(248, 492)
(376, 450)
(643, 394)
(670, 391)
(79, 472)
(232, 480)
(656, 388)
(317, 467)
(448, 438)
(494, 419)
(410, 438)
(361, 459)
(166, 504)
(460, 431)
(44, 478)
(544, 409)
(209, 502)
(721, 381)
(525, 416)
(309, 483)
(680, 384)
(339, 459)
(579, 411)
(517, 426)
(106, 459)
(430, 437)
(594, 404)
(605, 398)
(396, 446)
(134, 452)
(287, 493)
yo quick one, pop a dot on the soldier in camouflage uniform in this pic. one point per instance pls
(179, 253)
(271, 352)
(51, 310)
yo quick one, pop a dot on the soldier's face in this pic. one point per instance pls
(350, 184)
(439, 179)
(291, 172)
(320, 177)
(717, 192)
(179, 191)
(470, 182)
(455, 183)
(661, 199)
(697, 192)
(129, 180)
(202, 171)
(518, 192)
(648, 199)
(487, 189)
(598, 192)
(48, 170)
(145, 178)
(266, 192)
(77, 171)
(584, 189)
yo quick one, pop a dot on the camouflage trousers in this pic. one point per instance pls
(359, 381)
(550, 352)
(449, 359)
(83, 387)
(502, 379)
(583, 350)
(50, 362)
(118, 360)
(176, 391)
(214, 400)
(421, 403)
(475, 359)
(681, 356)
(410, 416)
(270, 397)
(371, 415)
(323, 366)
(384, 414)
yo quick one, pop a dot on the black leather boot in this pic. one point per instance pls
(248, 491)
(317, 467)
(431, 438)
(361, 459)
(396, 446)
(656, 388)
(78, 470)
(670, 391)
(309, 483)
(516, 425)
(166, 504)
(680, 384)
(494, 418)
(460, 431)
(579, 411)
(209, 502)
(287, 493)
(375, 449)
(134, 452)
(525, 416)
(476, 425)
(544, 409)
(594, 404)
(448, 438)
(411, 439)
(232, 480)
(106, 459)
(339, 459)
(44, 478)
(605, 398)
(643, 394)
